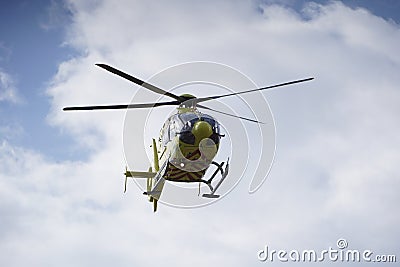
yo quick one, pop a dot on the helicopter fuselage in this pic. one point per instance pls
(189, 141)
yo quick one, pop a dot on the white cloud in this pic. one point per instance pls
(335, 173)
(11, 131)
(8, 91)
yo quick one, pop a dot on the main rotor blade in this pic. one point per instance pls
(148, 86)
(203, 99)
(146, 105)
(235, 116)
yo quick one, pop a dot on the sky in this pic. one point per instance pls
(334, 174)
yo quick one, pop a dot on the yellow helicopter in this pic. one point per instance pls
(189, 139)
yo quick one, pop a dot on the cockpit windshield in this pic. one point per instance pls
(187, 120)
(182, 124)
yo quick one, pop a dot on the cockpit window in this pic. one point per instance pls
(165, 133)
(183, 118)
(186, 121)
(212, 122)
(182, 124)
(187, 137)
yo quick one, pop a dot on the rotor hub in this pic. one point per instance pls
(187, 101)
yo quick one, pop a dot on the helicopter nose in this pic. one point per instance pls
(201, 130)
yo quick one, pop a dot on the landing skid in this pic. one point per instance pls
(224, 173)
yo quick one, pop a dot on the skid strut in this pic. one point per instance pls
(224, 173)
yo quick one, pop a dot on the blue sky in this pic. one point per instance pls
(31, 48)
(335, 173)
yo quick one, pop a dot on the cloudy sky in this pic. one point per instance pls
(335, 173)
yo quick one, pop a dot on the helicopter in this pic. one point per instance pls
(189, 139)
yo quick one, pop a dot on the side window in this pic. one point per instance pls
(217, 130)
(172, 130)
(165, 133)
